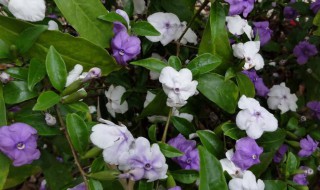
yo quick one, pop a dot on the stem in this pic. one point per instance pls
(130, 185)
(76, 160)
(164, 136)
(291, 135)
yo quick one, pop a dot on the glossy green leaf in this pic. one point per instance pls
(19, 73)
(275, 185)
(93, 152)
(3, 110)
(272, 140)
(231, 130)
(17, 91)
(211, 142)
(223, 93)
(46, 100)
(183, 125)
(18, 175)
(74, 50)
(230, 73)
(150, 63)
(152, 133)
(4, 169)
(144, 185)
(175, 62)
(78, 132)
(169, 151)
(211, 174)
(185, 176)
(265, 161)
(245, 85)
(37, 71)
(95, 185)
(82, 15)
(204, 63)
(292, 163)
(28, 37)
(56, 69)
(113, 17)
(4, 50)
(144, 28)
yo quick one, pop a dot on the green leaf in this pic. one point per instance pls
(211, 142)
(20, 73)
(231, 130)
(275, 185)
(223, 93)
(3, 110)
(211, 174)
(230, 73)
(37, 71)
(95, 185)
(215, 37)
(4, 50)
(82, 15)
(93, 152)
(105, 175)
(113, 17)
(203, 64)
(184, 9)
(153, 108)
(169, 151)
(183, 125)
(4, 169)
(185, 176)
(175, 62)
(28, 37)
(18, 175)
(291, 163)
(272, 140)
(17, 91)
(245, 85)
(144, 185)
(78, 132)
(150, 63)
(56, 69)
(265, 161)
(74, 50)
(46, 100)
(152, 133)
(144, 28)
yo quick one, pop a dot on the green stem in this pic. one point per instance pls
(164, 136)
(291, 135)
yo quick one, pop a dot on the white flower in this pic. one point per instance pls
(237, 26)
(149, 98)
(4, 77)
(249, 52)
(280, 98)
(167, 24)
(189, 36)
(50, 120)
(92, 109)
(248, 182)
(114, 104)
(254, 119)
(113, 139)
(52, 25)
(74, 74)
(230, 167)
(139, 6)
(177, 85)
(30, 10)
(124, 15)
(175, 112)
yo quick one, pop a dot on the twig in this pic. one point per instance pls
(130, 185)
(164, 136)
(76, 160)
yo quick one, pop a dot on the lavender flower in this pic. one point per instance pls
(301, 179)
(247, 153)
(190, 159)
(81, 186)
(315, 6)
(262, 28)
(19, 142)
(240, 6)
(315, 107)
(125, 47)
(261, 88)
(303, 51)
(290, 13)
(308, 146)
(93, 73)
(175, 188)
(280, 153)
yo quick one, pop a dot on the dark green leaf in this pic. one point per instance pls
(211, 142)
(113, 17)
(231, 130)
(3, 111)
(46, 100)
(98, 164)
(78, 132)
(184, 9)
(272, 140)
(265, 160)
(230, 73)
(183, 125)
(203, 64)
(105, 175)
(56, 69)
(28, 37)
(20, 73)
(37, 71)
(275, 185)
(223, 93)
(4, 50)
(245, 85)
(211, 174)
(185, 176)
(144, 28)
(175, 62)
(152, 133)
(153, 108)
(4, 169)
(17, 91)
(18, 175)
(169, 151)
(82, 15)
(144, 185)
(150, 63)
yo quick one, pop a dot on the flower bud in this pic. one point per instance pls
(50, 120)
(4, 77)
(93, 73)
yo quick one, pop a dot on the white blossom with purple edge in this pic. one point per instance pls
(114, 104)
(280, 98)
(113, 139)
(74, 74)
(248, 182)
(229, 166)
(249, 52)
(178, 86)
(143, 161)
(237, 26)
(254, 119)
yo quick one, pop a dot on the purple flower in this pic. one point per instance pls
(261, 88)
(125, 47)
(240, 6)
(175, 188)
(303, 51)
(280, 153)
(300, 179)
(247, 153)
(118, 27)
(308, 146)
(315, 6)
(290, 13)
(19, 142)
(315, 107)
(190, 159)
(262, 28)
(81, 186)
